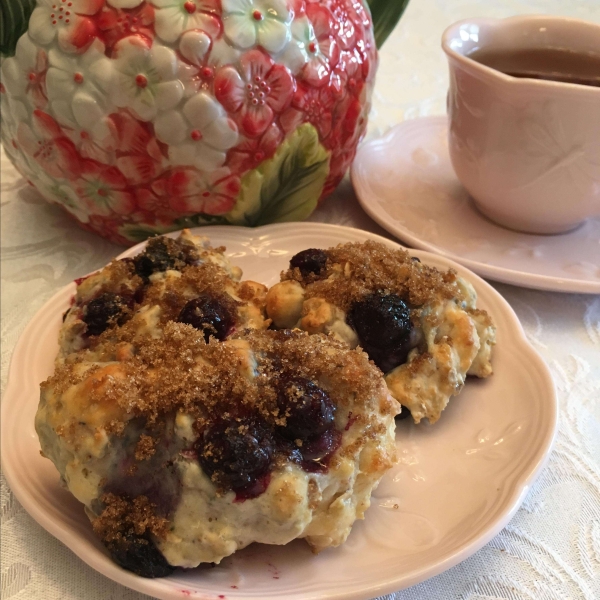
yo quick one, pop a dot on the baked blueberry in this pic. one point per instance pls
(139, 555)
(311, 261)
(209, 315)
(235, 454)
(104, 311)
(383, 325)
(155, 258)
(307, 408)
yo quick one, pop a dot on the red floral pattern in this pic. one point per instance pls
(256, 92)
(190, 191)
(122, 174)
(115, 24)
(47, 144)
(252, 151)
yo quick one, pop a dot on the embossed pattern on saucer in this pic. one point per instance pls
(457, 483)
(406, 183)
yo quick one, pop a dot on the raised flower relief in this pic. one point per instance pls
(47, 145)
(203, 55)
(69, 75)
(104, 190)
(314, 105)
(174, 17)
(69, 21)
(345, 26)
(323, 52)
(198, 135)
(115, 23)
(24, 75)
(303, 43)
(260, 89)
(145, 80)
(140, 156)
(251, 152)
(250, 23)
(191, 192)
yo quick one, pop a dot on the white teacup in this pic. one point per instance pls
(527, 150)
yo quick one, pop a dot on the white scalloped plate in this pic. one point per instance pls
(458, 483)
(405, 182)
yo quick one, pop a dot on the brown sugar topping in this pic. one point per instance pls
(123, 518)
(355, 270)
(234, 382)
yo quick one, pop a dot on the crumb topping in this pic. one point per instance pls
(233, 385)
(145, 448)
(357, 269)
(123, 518)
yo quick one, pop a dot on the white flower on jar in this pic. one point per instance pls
(303, 46)
(205, 56)
(174, 17)
(265, 23)
(88, 126)
(145, 80)
(199, 135)
(24, 75)
(67, 20)
(70, 75)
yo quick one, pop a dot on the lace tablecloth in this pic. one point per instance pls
(549, 551)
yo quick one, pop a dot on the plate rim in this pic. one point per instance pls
(525, 279)
(149, 586)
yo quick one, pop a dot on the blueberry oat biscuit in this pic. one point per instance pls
(184, 448)
(180, 279)
(420, 326)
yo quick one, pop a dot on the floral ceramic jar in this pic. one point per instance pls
(145, 116)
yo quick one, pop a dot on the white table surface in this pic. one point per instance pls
(549, 551)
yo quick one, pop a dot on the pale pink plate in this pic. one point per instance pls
(458, 483)
(406, 183)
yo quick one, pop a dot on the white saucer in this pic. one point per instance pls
(406, 183)
(457, 484)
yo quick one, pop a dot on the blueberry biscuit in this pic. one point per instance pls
(184, 451)
(419, 325)
(181, 279)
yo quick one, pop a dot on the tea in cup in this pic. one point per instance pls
(524, 108)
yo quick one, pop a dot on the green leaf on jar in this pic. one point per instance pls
(14, 20)
(286, 187)
(385, 15)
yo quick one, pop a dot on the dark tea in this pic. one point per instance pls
(553, 64)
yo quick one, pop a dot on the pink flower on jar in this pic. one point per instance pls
(140, 156)
(104, 190)
(107, 228)
(68, 20)
(191, 191)
(116, 24)
(255, 93)
(47, 144)
(314, 105)
(252, 151)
